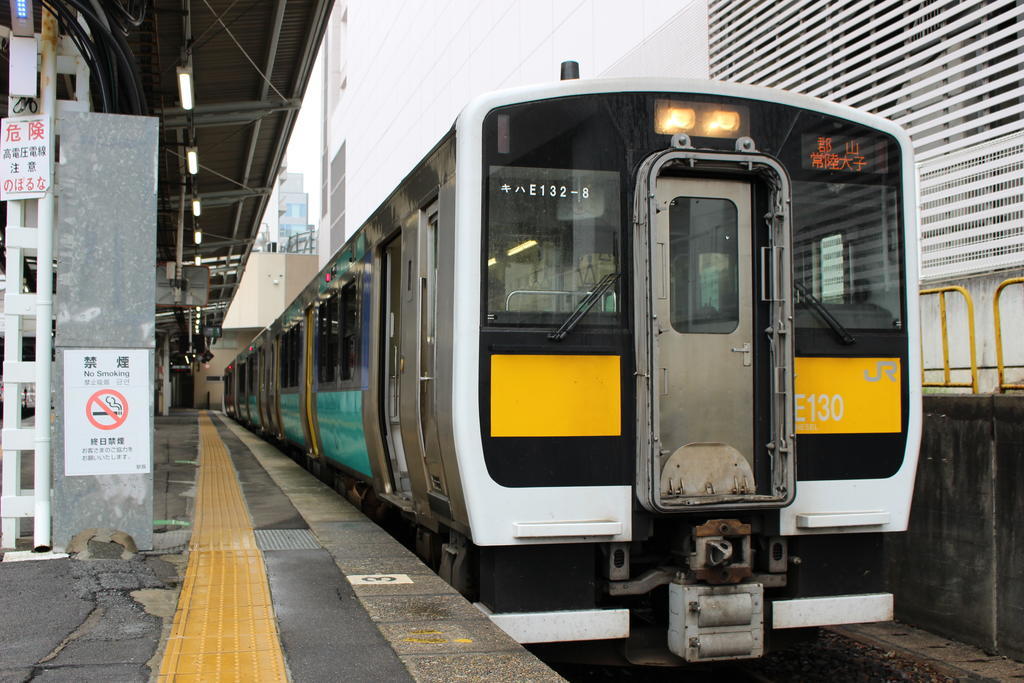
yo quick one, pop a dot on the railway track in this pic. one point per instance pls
(830, 657)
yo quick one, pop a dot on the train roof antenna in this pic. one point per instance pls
(570, 70)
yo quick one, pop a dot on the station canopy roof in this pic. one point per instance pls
(251, 61)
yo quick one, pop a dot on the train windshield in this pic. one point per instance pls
(544, 251)
(553, 235)
(847, 260)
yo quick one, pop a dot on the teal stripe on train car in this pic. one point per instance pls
(339, 415)
(254, 412)
(291, 419)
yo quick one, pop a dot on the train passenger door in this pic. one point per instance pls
(393, 365)
(427, 351)
(242, 404)
(309, 423)
(267, 382)
(275, 384)
(261, 390)
(255, 389)
(268, 392)
(703, 336)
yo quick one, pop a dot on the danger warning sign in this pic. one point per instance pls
(106, 403)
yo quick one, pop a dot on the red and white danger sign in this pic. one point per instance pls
(106, 409)
(25, 157)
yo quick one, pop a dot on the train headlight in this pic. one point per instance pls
(670, 118)
(721, 122)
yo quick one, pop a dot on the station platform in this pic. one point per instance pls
(259, 572)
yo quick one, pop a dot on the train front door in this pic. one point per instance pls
(703, 336)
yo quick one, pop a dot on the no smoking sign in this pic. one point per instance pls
(106, 409)
(106, 406)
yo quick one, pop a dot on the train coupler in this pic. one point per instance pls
(721, 552)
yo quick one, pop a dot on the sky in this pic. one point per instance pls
(304, 146)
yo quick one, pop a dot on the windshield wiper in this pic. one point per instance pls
(603, 285)
(826, 316)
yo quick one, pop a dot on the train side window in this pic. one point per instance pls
(290, 358)
(282, 367)
(328, 339)
(287, 354)
(294, 350)
(349, 331)
(296, 345)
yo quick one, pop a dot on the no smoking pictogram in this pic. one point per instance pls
(106, 409)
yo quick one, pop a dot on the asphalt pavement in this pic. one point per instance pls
(99, 614)
(103, 613)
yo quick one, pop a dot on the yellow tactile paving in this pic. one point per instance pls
(224, 628)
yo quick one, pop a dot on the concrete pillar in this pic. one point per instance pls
(105, 315)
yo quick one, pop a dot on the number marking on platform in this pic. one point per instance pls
(378, 579)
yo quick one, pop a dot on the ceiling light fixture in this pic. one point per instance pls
(186, 90)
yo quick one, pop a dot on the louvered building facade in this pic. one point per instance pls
(949, 71)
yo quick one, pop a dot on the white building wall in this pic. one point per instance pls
(270, 282)
(409, 67)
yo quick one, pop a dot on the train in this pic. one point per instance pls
(634, 359)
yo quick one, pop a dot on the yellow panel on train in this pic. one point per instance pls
(533, 395)
(847, 395)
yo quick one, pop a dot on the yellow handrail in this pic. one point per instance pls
(1003, 385)
(973, 384)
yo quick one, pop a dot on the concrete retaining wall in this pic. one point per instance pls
(959, 570)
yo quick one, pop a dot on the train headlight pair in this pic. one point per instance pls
(702, 119)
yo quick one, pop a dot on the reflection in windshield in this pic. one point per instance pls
(553, 234)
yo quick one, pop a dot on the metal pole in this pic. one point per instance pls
(44, 297)
(945, 338)
(1003, 384)
(166, 383)
(179, 248)
(11, 486)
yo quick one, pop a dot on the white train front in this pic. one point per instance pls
(637, 358)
